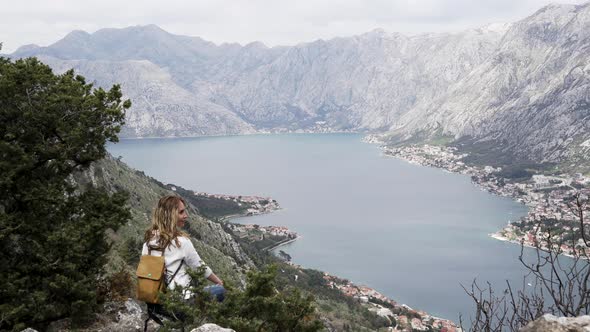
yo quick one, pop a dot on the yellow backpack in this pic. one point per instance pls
(151, 277)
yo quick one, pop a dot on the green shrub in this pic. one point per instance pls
(260, 307)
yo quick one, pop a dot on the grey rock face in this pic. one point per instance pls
(161, 108)
(359, 83)
(532, 94)
(127, 319)
(183, 86)
(116, 317)
(550, 323)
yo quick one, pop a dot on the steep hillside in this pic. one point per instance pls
(532, 97)
(357, 83)
(216, 247)
(161, 107)
(228, 258)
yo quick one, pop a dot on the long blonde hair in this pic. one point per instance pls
(164, 219)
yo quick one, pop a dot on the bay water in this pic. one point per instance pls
(413, 233)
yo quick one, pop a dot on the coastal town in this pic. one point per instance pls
(253, 204)
(223, 207)
(312, 128)
(553, 219)
(255, 232)
(263, 237)
(400, 316)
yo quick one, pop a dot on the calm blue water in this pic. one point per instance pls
(413, 233)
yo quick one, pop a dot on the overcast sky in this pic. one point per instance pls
(273, 22)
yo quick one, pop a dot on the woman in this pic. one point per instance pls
(179, 253)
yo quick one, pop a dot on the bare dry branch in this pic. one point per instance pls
(560, 285)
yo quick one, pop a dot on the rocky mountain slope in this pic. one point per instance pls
(215, 246)
(161, 107)
(532, 95)
(523, 86)
(185, 86)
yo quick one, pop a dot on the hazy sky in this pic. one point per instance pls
(274, 22)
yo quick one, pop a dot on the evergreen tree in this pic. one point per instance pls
(52, 233)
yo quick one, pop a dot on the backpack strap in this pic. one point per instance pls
(150, 248)
(174, 275)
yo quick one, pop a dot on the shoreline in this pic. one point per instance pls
(228, 218)
(280, 244)
(290, 236)
(543, 199)
(363, 293)
(532, 246)
(383, 306)
(261, 133)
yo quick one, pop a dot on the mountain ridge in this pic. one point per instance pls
(523, 85)
(533, 94)
(268, 88)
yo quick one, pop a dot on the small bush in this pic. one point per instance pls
(260, 307)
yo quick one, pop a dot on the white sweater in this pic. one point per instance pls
(174, 255)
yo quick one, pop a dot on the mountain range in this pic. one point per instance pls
(523, 86)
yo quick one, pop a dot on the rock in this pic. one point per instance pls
(116, 317)
(28, 329)
(550, 323)
(129, 318)
(211, 328)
